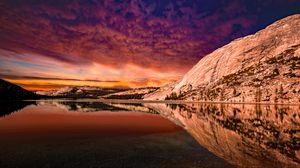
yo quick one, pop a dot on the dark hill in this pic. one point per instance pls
(9, 91)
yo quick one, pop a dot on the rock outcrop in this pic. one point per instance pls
(136, 93)
(264, 67)
(79, 92)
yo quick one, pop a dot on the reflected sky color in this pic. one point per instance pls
(51, 120)
(244, 135)
(95, 134)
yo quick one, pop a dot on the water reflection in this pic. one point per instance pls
(96, 134)
(84, 106)
(244, 135)
(78, 106)
(6, 108)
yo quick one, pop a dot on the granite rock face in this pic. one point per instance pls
(264, 67)
(136, 93)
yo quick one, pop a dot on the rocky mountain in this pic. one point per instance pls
(135, 93)
(9, 91)
(264, 67)
(79, 92)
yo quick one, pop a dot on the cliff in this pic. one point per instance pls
(264, 67)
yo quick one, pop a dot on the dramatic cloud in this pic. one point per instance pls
(134, 42)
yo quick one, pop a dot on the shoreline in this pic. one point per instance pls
(163, 101)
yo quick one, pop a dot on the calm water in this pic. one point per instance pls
(103, 134)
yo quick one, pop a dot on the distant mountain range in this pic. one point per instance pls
(97, 92)
(264, 67)
(80, 92)
(135, 93)
(9, 91)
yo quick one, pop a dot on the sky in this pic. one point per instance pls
(47, 44)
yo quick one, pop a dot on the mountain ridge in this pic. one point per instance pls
(10, 91)
(209, 79)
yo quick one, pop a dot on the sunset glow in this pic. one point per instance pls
(51, 44)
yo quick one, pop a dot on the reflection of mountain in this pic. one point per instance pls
(9, 91)
(7, 108)
(82, 106)
(244, 135)
(137, 107)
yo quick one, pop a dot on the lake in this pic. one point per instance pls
(91, 133)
